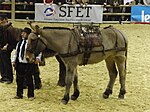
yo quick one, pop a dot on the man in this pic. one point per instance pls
(5, 55)
(24, 70)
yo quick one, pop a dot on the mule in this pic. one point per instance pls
(65, 42)
(14, 35)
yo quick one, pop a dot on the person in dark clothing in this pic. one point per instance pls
(98, 2)
(139, 2)
(28, 6)
(60, 2)
(5, 55)
(24, 70)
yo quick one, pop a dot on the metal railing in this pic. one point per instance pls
(13, 11)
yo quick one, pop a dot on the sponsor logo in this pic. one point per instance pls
(49, 11)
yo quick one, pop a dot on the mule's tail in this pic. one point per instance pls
(126, 51)
(126, 59)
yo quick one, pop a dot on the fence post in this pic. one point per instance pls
(12, 10)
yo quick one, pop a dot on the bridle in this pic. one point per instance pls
(34, 49)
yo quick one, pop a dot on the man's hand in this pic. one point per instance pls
(5, 47)
(37, 61)
(13, 64)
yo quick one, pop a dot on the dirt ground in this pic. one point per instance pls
(93, 80)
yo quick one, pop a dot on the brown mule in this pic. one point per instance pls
(65, 42)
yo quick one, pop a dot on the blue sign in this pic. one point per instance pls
(140, 14)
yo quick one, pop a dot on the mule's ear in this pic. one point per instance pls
(28, 21)
(37, 29)
(30, 24)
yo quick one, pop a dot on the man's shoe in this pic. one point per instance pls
(18, 97)
(5, 81)
(2, 81)
(8, 82)
(31, 98)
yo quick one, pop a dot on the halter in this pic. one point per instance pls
(34, 50)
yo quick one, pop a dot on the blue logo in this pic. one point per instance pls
(49, 11)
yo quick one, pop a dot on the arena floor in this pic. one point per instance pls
(93, 80)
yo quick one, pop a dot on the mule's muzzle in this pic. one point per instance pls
(30, 57)
(30, 60)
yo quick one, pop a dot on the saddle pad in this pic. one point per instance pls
(91, 39)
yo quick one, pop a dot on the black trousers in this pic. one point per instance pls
(36, 76)
(6, 66)
(25, 71)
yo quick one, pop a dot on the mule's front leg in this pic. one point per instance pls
(76, 88)
(69, 79)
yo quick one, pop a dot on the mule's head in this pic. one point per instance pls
(36, 44)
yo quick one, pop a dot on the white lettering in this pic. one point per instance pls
(142, 15)
(145, 17)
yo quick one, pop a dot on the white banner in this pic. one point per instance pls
(68, 13)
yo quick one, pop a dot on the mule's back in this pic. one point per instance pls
(113, 38)
(109, 41)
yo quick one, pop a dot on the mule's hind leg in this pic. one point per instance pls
(76, 88)
(121, 63)
(110, 63)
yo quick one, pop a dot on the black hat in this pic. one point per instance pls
(3, 16)
(27, 30)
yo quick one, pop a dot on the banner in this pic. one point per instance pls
(140, 14)
(68, 13)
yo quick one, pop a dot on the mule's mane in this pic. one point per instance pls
(59, 28)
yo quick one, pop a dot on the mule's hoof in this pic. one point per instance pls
(121, 96)
(64, 101)
(61, 84)
(73, 97)
(105, 96)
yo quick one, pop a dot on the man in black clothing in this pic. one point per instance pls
(5, 55)
(24, 70)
